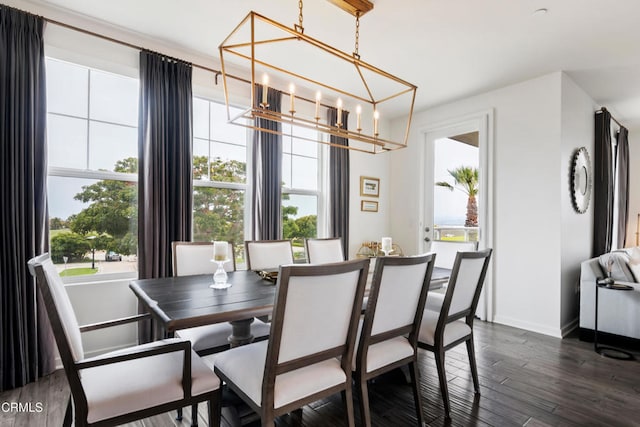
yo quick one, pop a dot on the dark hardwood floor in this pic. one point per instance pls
(525, 378)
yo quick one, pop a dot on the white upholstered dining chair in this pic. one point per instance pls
(453, 323)
(268, 254)
(128, 384)
(308, 355)
(191, 258)
(392, 318)
(323, 251)
(447, 251)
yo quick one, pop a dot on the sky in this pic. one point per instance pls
(450, 207)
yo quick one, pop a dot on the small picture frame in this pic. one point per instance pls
(369, 206)
(369, 187)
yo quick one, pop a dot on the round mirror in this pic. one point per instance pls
(581, 180)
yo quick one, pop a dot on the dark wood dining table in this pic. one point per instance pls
(187, 301)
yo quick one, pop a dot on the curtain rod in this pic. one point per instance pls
(603, 109)
(137, 47)
(133, 46)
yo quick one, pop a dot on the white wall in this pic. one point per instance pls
(528, 206)
(368, 226)
(576, 229)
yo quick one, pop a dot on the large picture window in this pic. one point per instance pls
(300, 187)
(92, 136)
(220, 176)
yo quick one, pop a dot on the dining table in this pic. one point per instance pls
(182, 302)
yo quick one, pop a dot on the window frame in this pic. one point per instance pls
(240, 186)
(92, 174)
(321, 192)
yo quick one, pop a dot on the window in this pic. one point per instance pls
(220, 176)
(455, 206)
(301, 189)
(92, 119)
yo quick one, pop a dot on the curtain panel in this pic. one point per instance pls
(622, 171)
(267, 173)
(602, 185)
(26, 342)
(164, 154)
(339, 176)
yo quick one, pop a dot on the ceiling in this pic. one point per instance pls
(450, 49)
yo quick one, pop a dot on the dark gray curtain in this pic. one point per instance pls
(622, 198)
(602, 185)
(164, 156)
(267, 173)
(339, 183)
(26, 342)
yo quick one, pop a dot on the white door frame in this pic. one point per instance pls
(482, 122)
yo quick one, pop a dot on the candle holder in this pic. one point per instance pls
(220, 276)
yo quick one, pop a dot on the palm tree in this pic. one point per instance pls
(466, 178)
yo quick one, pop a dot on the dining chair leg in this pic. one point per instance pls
(179, 414)
(442, 377)
(194, 415)
(415, 380)
(363, 394)
(68, 414)
(348, 397)
(472, 364)
(267, 419)
(214, 409)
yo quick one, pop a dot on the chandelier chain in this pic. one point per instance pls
(300, 13)
(357, 34)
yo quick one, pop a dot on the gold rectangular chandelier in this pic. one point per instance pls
(311, 76)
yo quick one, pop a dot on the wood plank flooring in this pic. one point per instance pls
(526, 379)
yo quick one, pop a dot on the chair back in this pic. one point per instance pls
(324, 251)
(396, 301)
(447, 251)
(61, 315)
(191, 258)
(465, 284)
(268, 254)
(315, 316)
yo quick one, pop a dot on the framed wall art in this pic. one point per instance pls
(369, 187)
(369, 206)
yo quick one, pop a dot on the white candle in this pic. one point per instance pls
(339, 122)
(318, 98)
(376, 116)
(265, 88)
(220, 251)
(387, 244)
(358, 114)
(292, 91)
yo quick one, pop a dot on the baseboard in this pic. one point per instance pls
(529, 326)
(610, 339)
(570, 327)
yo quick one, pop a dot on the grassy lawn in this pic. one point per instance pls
(80, 271)
(53, 233)
(453, 238)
